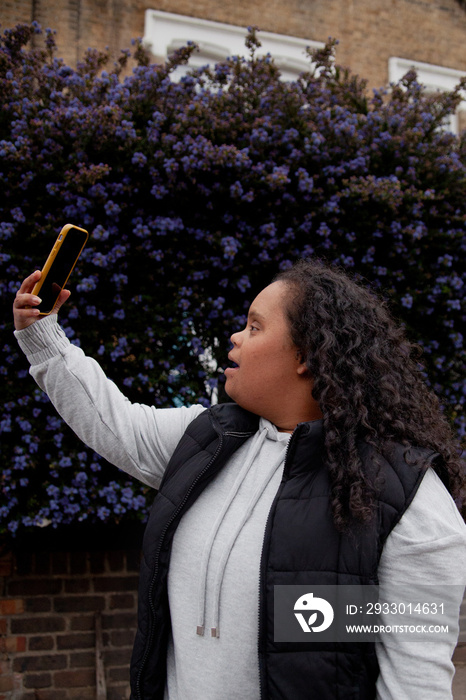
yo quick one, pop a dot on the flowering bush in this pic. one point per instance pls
(195, 193)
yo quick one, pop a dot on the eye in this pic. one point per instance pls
(253, 327)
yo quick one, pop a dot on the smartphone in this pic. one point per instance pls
(59, 265)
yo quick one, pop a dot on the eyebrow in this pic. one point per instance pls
(256, 314)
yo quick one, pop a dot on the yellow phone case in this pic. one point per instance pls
(49, 262)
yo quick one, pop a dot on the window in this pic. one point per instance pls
(434, 78)
(165, 32)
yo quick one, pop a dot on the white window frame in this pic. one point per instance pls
(435, 78)
(164, 32)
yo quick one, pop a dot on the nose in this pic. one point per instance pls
(235, 338)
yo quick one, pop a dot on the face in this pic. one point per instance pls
(268, 368)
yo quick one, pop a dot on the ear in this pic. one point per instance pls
(302, 368)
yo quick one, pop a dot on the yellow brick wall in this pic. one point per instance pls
(369, 31)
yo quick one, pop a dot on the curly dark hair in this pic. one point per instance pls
(368, 382)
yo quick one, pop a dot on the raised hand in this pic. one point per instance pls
(25, 309)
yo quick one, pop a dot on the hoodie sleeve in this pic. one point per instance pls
(138, 439)
(424, 555)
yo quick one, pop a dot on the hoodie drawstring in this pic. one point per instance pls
(252, 452)
(215, 630)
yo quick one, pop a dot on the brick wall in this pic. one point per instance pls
(68, 619)
(67, 623)
(369, 31)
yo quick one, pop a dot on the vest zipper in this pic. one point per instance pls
(262, 562)
(157, 554)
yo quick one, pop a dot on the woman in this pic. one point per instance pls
(323, 472)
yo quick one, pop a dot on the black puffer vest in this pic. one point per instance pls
(301, 546)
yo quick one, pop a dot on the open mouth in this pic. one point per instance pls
(232, 366)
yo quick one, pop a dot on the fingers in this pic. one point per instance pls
(30, 282)
(24, 310)
(24, 297)
(24, 306)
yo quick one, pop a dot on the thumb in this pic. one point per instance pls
(64, 296)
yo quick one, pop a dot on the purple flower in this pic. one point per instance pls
(139, 159)
(243, 283)
(407, 301)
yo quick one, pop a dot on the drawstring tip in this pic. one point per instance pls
(200, 630)
(214, 632)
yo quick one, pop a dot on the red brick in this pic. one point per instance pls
(44, 662)
(6, 565)
(25, 625)
(126, 600)
(77, 585)
(7, 683)
(38, 604)
(74, 679)
(121, 638)
(46, 694)
(11, 606)
(83, 659)
(37, 680)
(82, 694)
(118, 674)
(119, 621)
(460, 654)
(82, 623)
(32, 587)
(75, 641)
(42, 643)
(119, 657)
(11, 645)
(117, 693)
(79, 603)
(115, 583)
